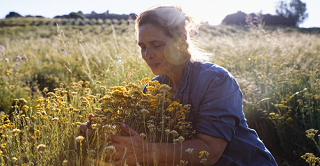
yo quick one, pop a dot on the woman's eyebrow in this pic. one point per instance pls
(152, 41)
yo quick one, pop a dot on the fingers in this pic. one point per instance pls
(115, 138)
(90, 116)
(128, 130)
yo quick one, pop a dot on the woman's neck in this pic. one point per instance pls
(176, 76)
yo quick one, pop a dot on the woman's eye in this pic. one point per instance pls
(156, 46)
(142, 48)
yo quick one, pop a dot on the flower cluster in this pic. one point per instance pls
(152, 113)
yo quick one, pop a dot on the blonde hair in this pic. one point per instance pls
(174, 22)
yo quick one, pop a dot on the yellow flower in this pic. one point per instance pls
(80, 138)
(55, 119)
(25, 107)
(14, 159)
(108, 110)
(23, 101)
(8, 72)
(272, 113)
(3, 146)
(65, 162)
(203, 154)
(289, 119)
(150, 88)
(153, 83)
(145, 80)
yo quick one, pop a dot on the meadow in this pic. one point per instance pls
(53, 77)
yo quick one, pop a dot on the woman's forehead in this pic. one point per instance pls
(149, 33)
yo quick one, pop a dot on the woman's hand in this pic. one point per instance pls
(134, 145)
(85, 128)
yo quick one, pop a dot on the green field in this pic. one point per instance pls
(277, 68)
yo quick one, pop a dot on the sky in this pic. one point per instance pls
(211, 11)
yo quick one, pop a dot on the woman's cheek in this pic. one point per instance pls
(171, 54)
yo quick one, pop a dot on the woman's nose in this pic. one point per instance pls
(148, 53)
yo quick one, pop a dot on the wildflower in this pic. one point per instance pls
(108, 110)
(289, 119)
(203, 154)
(55, 119)
(189, 150)
(3, 146)
(144, 112)
(65, 162)
(25, 107)
(51, 94)
(174, 133)
(2, 48)
(41, 147)
(80, 138)
(311, 133)
(14, 159)
(37, 132)
(45, 90)
(181, 139)
(111, 149)
(164, 88)
(145, 80)
(183, 162)
(167, 131)
(22, 57)
(300, 101)
(7, 72)
(64, 92)
(143, 135)
(272, 114)
(16, 131)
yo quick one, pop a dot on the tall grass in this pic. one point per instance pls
(276, 68)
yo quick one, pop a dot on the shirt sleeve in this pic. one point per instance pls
(221, 108)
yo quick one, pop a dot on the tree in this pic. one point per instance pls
(295, 11)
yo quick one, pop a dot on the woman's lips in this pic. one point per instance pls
(154, 65)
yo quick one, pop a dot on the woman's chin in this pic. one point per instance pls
(157, 72)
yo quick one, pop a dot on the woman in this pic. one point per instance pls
(215, 97)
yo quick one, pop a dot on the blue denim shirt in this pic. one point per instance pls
(216, 110)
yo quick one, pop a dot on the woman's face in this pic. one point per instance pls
(159, 50)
